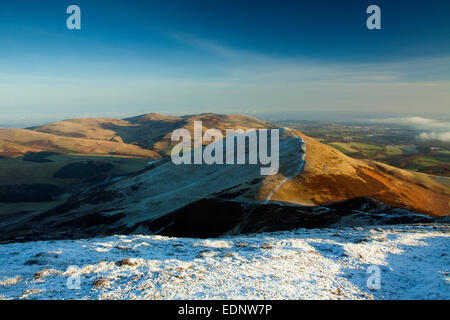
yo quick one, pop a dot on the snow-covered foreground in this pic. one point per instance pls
(302, 264)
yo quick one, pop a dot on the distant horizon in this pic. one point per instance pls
(310, 115)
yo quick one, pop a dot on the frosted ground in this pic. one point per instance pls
(301, 264)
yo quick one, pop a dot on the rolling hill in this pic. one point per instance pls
(149, 131)
(25, 140)
(316, 185)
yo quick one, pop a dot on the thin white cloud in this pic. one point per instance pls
(419, 123)
(207, 45)
(441, 136)
(434, 129)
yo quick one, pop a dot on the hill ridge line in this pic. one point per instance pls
(297, 172)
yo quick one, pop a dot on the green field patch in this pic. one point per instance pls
(369, 150)
(426, 161)
(393, 151)
(343, 147)
(442, 156)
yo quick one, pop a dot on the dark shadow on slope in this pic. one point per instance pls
(38, 192)
(202, 219)
(213, 217)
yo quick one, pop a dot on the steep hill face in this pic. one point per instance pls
(330, 176)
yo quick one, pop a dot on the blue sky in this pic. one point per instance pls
(250, 56)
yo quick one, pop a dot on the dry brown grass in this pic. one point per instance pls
(38, 141)
(100, 283)
(329, 176)
(128, 262)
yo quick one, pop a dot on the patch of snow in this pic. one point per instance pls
(302, 264)
(155, 161)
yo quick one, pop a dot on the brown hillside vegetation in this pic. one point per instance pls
(150, 131)
(330, 176)
(89, 128)
(332, 189)
(25, 140)
(11, 150)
